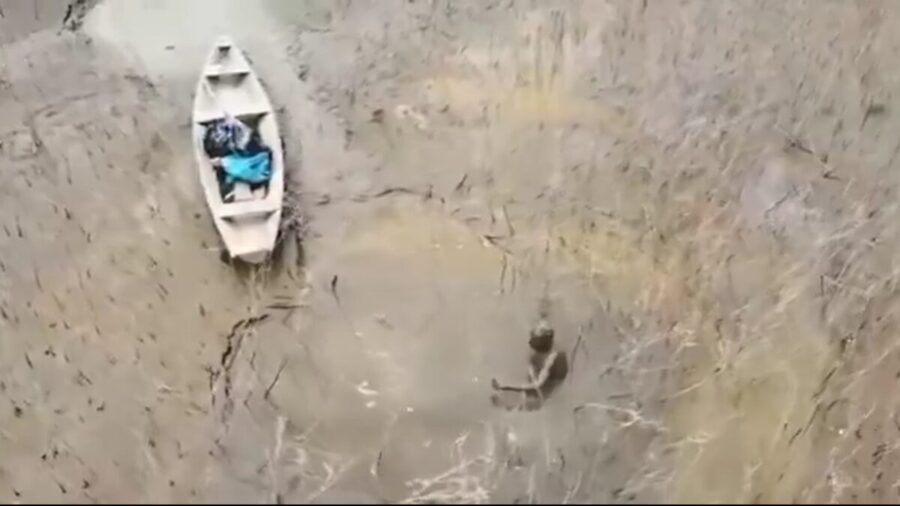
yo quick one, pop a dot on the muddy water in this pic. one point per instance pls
(363, 388)
(714, 238)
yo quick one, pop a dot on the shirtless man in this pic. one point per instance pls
(549, 368)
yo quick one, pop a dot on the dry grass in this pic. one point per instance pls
(745, 254)
(730, 201)
(749, 269)
(739, 230)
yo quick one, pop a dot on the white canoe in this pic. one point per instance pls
(249, 223)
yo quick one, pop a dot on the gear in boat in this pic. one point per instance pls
(243, 164)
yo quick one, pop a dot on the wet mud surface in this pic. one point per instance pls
(704, 194)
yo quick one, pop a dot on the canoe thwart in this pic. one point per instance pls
(249, 207)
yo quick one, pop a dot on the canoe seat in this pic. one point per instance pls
(251, 208)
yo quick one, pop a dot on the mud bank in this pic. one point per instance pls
(709, 215)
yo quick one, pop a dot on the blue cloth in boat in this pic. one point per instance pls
(253, 168)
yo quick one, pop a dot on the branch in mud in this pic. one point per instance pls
(76, 11)
(230, 349)
(333, 287)
(426, 194)
(275, 380)
(234, 341)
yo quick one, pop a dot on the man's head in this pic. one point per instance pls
(541, 338)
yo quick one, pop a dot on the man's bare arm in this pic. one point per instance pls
(534, 386)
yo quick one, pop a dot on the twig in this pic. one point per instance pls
(275, 380)
(578, 342)
(509, 227)
(461, 183)
(333, 286)
(395, 189)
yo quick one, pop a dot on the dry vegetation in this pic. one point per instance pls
(738, 214)
(719, 175)
(758, 244)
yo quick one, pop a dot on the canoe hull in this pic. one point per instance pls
(228, 86)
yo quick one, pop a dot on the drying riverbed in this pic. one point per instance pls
(709, 213)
